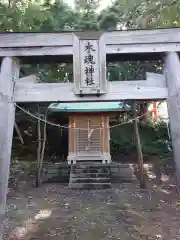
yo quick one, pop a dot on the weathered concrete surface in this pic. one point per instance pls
(60, 172)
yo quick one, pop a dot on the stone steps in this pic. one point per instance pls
(89, 185)
(89, 176)
(90, 180)
(60, 172)
(90, 169)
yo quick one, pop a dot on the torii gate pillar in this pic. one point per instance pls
(172, 73)
(9, 73)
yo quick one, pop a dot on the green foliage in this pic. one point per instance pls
(154, 139)
(86, 17)
(132, 70)
(29, 15)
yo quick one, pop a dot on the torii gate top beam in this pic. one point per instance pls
(117, 42)
(74, 45)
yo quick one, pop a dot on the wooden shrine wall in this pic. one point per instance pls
(78, 123)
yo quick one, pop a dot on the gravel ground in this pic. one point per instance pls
(54, 212)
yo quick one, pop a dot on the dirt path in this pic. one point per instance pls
(53, 212)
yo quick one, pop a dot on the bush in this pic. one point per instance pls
(154, 139)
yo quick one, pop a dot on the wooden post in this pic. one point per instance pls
(172, 73)
(9, 73)
(39, 138)
(138, 148)
(40, 148)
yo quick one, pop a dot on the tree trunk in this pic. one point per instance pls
(41, 148)
(43, 145)
(138, 148)
(38, 173)
(143, 107)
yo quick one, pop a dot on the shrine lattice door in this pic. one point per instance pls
(89, 136)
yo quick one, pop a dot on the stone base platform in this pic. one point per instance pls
(60, 172)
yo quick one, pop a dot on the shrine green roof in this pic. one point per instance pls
(89, 107)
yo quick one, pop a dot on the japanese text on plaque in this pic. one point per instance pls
(89, 62)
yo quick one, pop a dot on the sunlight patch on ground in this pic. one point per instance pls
(160, 189)
(30, 225)
(43, 214)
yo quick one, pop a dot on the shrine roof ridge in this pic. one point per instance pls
(90, 107)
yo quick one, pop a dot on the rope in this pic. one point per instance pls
(67, 127)
(33, 115)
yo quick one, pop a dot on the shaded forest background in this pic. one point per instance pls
(50, 16)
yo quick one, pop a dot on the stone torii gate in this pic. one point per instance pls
(89, 52)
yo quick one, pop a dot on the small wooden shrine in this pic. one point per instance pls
(89, 131)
